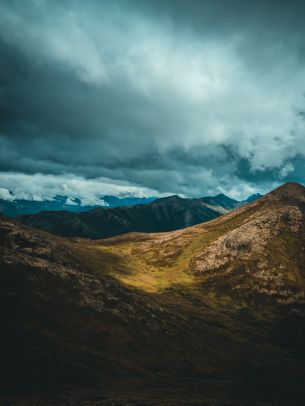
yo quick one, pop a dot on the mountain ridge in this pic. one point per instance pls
(17, 207)
(164, 214)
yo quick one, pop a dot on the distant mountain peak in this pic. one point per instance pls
(221, 200)
(171, 198)
(253, 197)
(223, 196)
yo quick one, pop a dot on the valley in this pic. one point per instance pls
(208, 315)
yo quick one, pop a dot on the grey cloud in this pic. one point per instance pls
(173, 96)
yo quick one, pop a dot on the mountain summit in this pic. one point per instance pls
(222, 201)
(289, 190)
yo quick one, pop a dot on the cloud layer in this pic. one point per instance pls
(167, 96)
(39, 187)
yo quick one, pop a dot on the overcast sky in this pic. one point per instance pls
(151, 97)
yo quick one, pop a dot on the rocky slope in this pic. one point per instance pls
(166, 214)
(210, 315)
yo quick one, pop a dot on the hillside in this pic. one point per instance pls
(165, 214)
(209, 315)
(257, 248)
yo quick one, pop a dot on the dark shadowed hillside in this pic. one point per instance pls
(213, 314)
(166, 214)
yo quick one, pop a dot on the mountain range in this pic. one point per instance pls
(212, 314)
(165, 214)
(19, 207)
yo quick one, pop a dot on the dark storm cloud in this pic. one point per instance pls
(172, 96)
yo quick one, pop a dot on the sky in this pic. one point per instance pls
(150, 98)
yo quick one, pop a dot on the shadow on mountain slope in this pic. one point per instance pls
(213, 314)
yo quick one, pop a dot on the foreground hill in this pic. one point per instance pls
(253, 250)
(209, 315)
(166, 214)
